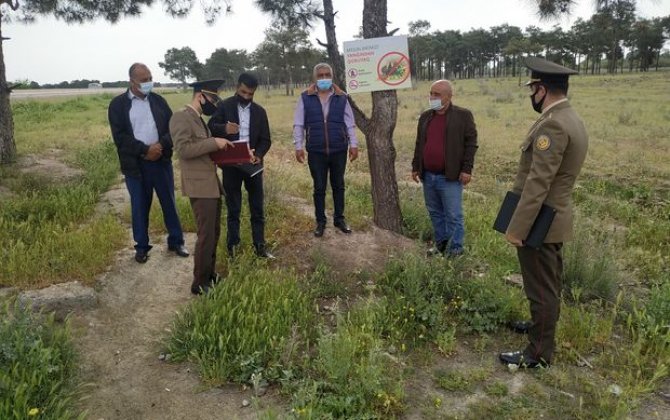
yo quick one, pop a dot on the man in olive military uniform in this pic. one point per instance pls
(551, 159)
(193, 143)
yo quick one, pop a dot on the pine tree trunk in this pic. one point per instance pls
(7, 145)
(381, 155)
(378, 130)
(336, 60)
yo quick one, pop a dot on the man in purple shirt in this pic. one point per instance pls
(446, 142)
(324, 124)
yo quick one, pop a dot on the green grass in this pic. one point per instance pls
(37, 366)
(49, 229)
(257, 322)
(352, 375)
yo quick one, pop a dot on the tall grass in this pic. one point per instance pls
(37, 366)
(257, 322)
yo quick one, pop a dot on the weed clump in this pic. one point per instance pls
(37, 366)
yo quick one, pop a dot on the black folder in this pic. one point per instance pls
(540, 227)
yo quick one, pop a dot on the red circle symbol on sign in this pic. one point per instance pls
(393, 68)
(353, 84)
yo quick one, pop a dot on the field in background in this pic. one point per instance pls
(436, 325)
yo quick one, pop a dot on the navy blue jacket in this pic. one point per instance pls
(130, 150)
(329, 136)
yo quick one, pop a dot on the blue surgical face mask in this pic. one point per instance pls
(324, 84)
(435, 103)
(146, 87)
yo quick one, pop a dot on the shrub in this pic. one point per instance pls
(37, 366)
(589, 270)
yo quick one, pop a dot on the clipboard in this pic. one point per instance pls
(540, 227)
(239, 153)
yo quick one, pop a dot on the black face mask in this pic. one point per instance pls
(537, 105)
(243, 101)
(208, 108)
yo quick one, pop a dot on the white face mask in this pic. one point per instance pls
(146, 87)
(434, 104)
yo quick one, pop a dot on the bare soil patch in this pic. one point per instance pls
(48, 166)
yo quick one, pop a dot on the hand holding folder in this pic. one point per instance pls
(540, 227)
(239, 152)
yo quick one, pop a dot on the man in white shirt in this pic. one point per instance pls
(239, 118)
(139, 119)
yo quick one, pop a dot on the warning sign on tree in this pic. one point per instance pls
(377, 64)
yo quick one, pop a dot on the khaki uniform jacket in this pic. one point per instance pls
(193, 143)
(551, 158)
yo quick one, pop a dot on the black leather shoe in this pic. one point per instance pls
(519, 359)
(342, 226)
(141, 256)
(179, 250)
(262, 252)
(318, 232)
(200, 290)
(520, 327)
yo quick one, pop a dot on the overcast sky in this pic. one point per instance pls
(49, 51)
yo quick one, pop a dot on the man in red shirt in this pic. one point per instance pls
(446, 143)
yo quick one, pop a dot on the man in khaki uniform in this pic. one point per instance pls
(551, 159)
(194, 142)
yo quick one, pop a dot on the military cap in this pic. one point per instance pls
(207, 86)
(543, 71)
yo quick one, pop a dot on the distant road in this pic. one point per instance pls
(53, 93)
(62, 93)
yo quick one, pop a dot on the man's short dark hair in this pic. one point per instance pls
(557, 87)
(248, 79)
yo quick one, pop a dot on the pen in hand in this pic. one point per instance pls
(232, 128)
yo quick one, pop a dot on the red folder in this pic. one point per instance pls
(238, 153)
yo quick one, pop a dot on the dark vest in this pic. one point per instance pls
(330, 136)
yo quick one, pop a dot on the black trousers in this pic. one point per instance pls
(233, 179)
(542, 272)
(320, 165)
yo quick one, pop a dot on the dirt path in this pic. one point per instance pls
(120, 341)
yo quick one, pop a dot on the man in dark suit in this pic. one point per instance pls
(139, 119)
(552, 156)
(238, 118)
